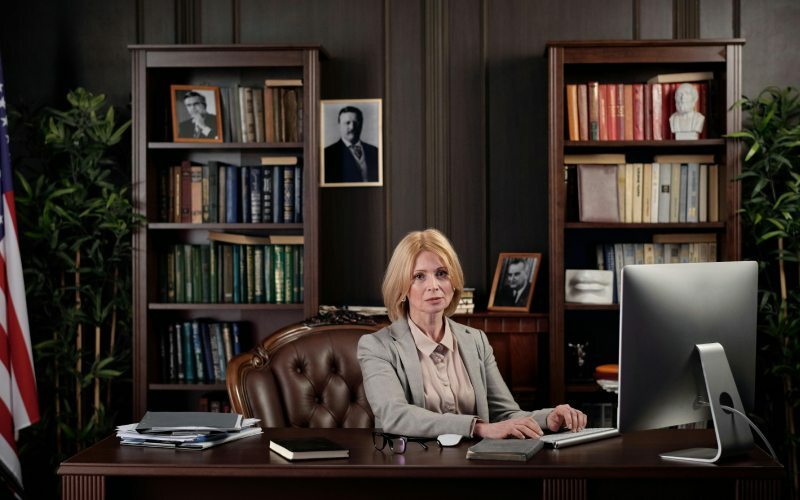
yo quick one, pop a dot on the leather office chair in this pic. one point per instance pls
(304, 375)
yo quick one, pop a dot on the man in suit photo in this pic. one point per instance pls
(350, 159)
(517, 284)
(201, 124)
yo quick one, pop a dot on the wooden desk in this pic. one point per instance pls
(620, 468)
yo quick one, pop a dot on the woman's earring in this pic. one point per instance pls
(402, 300)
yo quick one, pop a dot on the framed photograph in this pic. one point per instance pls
(196, 114)
(514, 279)
(351, 145)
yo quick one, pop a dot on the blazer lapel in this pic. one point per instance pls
(469, 355)
(407, 350)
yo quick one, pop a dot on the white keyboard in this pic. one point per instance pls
(566, 438)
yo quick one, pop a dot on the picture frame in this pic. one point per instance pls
(204, 101)
(340, 165)
(514, 281)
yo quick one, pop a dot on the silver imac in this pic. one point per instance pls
(687, 350)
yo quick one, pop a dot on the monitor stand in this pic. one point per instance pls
(734, 436)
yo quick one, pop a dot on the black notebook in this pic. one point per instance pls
(504, 449)
(308, 448)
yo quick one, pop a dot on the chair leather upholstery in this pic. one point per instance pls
(303, 376)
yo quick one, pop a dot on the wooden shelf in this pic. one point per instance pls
(224, 145)
(188, 387)
(172, 226)
(158, 306)
(695, 226)
(644, 144)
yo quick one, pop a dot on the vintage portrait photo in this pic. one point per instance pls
(514, 280)
(196, 114)
(351, 143)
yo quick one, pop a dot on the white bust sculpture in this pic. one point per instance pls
(686, 123)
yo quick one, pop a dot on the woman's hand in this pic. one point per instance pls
(565, 416)
(520, 428)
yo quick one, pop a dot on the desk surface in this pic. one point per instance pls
(633, 455)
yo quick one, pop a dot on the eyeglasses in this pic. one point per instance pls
(397, 444)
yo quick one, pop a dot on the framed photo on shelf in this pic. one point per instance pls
(351, 132)
(514, 280)
(196, 113)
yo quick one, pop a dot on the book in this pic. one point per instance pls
(665, 177)
(519, 450)
(684, 158)
(594, 112)
(171, 421)
(597, 198)
(287, 82)
(238, 239)
(692, 76)
(311, 448)
(279, 160)
(597, 159)
(287, 239)
(685, 238)
(583, 111)
(572, 111)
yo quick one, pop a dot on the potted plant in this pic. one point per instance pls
(76, 220)
(771, 215)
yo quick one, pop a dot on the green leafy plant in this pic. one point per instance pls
(771, 214)
(76, 221)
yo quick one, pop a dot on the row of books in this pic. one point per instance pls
(272, 113)
(221, 273)
(670, 248)
(673, 188)
(629, 111)
(217, 192)
(198, 351)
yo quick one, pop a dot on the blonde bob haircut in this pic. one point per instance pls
(399, 272)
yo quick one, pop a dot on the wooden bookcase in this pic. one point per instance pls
(154, 69)
(572, 243)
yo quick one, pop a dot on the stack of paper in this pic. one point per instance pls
(189, 430)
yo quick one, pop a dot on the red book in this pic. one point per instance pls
(611, 113)
(603, 109)
(657, 109)
(627, 110)
(648, 111)
(638, 111)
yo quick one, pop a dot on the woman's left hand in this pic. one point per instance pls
(566, 416)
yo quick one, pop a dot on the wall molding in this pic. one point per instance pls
(686, 19)
(437, 112)
(188, 25)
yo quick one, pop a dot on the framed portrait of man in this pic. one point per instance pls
(351, 147)
(196, 113)
(514, 281)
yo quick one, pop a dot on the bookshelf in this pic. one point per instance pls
(154, 69)
(572, 243)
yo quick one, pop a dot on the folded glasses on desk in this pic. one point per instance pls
(397, 444)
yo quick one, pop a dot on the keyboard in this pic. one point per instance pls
(564, 439)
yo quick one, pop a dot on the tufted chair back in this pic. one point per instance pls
(303, 376)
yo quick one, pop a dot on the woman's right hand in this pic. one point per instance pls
(520, 428)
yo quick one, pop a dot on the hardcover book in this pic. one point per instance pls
(519, 450)
(597, 193)
(312, 448)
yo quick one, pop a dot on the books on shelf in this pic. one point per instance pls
(310, 448)
(633, 111)
(466, 304)
(518, 450)
(692, 76)
(663, 191)
(218, 192)
(596, 159)
(198, 351)
(269, 113)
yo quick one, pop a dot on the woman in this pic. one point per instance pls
(426, 375)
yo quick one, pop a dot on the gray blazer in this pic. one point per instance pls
(393, 383)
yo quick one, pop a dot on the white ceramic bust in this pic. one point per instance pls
(589, 286)
(686, 123)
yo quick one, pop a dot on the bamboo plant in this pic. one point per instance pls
(76, 220)
(771, 214)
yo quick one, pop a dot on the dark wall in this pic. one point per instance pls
(463, 85)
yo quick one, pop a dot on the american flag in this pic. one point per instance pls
(19, 407)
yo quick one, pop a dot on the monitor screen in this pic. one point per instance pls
(665, 311)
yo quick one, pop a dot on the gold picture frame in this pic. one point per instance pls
(206, 126)
(514, 281)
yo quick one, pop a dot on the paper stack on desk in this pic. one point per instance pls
(187, 430)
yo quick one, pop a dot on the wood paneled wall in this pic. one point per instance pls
(463, 84)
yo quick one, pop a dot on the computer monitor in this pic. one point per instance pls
(687, 336)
